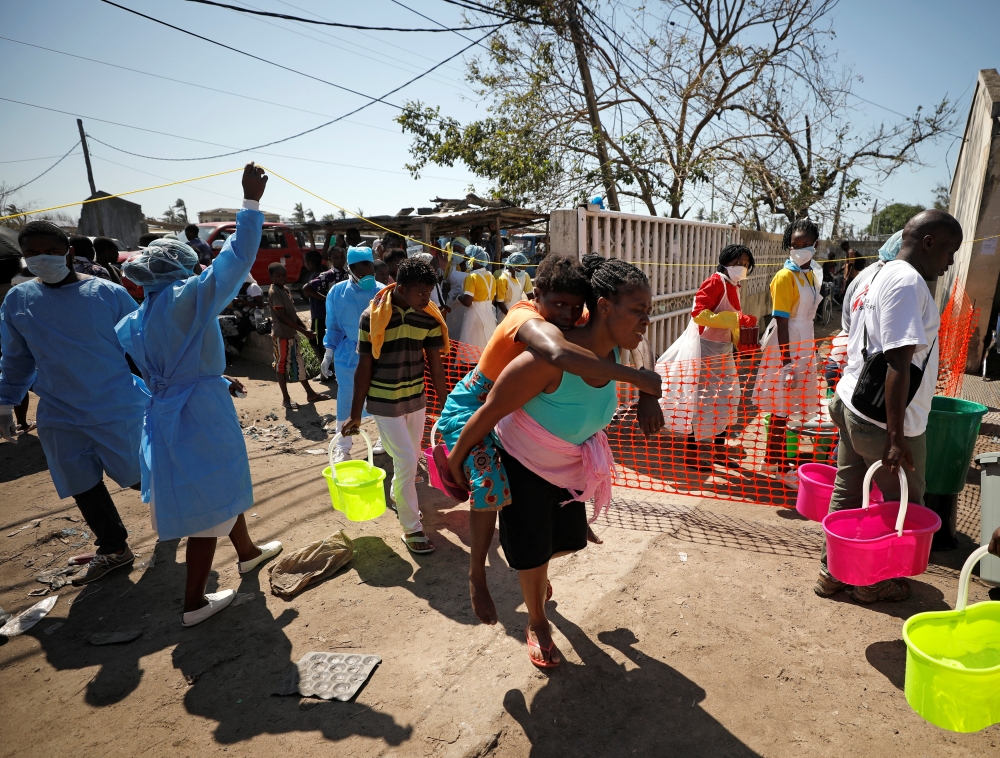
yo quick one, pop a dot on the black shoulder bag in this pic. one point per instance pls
(869, 393)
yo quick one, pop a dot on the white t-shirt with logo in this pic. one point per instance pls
(899, 310)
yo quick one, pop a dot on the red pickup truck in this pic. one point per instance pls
(278, 244)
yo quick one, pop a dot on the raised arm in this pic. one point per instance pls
(17, 369)
(551, 345)
(524, 377)
(218, 285)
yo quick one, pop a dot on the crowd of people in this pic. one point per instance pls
(137, 393)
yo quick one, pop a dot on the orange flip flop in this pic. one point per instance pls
(543, 664)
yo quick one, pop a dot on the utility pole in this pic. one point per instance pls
(90, 176)
(576, 35)
(871, 226)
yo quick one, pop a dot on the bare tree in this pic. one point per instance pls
(663, 91)
(813, 149)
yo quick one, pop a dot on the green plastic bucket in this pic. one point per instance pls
(953, 661)
(952, 429)
(356, 488)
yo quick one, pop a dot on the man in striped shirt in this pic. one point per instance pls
(394, 351)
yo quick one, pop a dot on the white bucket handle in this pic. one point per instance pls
(434, 429)
(963, 581)
(338, 436)
(904, 494)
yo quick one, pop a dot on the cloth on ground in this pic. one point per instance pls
(296, 570)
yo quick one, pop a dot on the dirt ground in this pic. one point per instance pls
(693, 630)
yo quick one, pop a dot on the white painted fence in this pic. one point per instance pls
(676, 255)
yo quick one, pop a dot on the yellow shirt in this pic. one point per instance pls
(503, 286)
(480, 285)
(785, 291)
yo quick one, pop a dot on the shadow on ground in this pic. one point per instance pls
(597, 708)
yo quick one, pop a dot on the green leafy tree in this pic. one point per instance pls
(176, 213)
(942, 197)
(893, 217)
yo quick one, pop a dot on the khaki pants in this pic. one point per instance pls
(861, 444)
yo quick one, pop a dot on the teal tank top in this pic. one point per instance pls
(576, 410)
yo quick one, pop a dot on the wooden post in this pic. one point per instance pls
(90, 177)
(497, 242)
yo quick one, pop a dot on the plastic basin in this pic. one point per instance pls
(952, 428)
(953, 662)
(816, 489)
(356, 487)
(876, 542)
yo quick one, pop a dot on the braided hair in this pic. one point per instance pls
(731, 253)
(610, 278)
(803, 224)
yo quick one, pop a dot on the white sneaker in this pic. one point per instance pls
(377, 448)
(267, 552)
(216, 602)
(341, 454)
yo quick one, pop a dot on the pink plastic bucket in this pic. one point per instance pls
(887, 541)
(816, 489)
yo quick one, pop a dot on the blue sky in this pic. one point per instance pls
(908, 53)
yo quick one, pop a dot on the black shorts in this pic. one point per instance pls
(534, 527)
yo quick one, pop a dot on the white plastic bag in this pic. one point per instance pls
(678, 370)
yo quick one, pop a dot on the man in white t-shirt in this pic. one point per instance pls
(901, 320)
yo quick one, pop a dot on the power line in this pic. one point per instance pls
(301, 20)
(65, 155)
(179, 81)
(249, 55)
(307, 131)
(428, 18)
(40, 158)
(203, 142)
(411, 53)
(352, 48)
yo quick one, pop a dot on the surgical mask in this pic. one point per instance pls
(736, 274)
(366, 282)
(802, 256)
(51, 269)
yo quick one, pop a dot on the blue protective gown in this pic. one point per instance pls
(345, 302)
(194, 459)
(90, 408)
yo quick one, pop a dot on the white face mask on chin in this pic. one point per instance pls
(802, 256)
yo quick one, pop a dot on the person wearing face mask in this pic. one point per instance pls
(195, 470)
(58, 338)
(786, 383)
(345, 303)
(702, 394)
(513, 282)
(478, 294)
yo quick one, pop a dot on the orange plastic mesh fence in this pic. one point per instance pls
(738, 425)
(958, 323)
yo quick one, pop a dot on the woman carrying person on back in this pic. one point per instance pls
(550, 428)
(561, 288)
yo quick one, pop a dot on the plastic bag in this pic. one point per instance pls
(678, 370)
(296, 570)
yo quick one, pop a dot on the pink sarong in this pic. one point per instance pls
(559, 462)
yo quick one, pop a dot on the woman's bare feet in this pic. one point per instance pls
(591, 537)
(482, 601)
